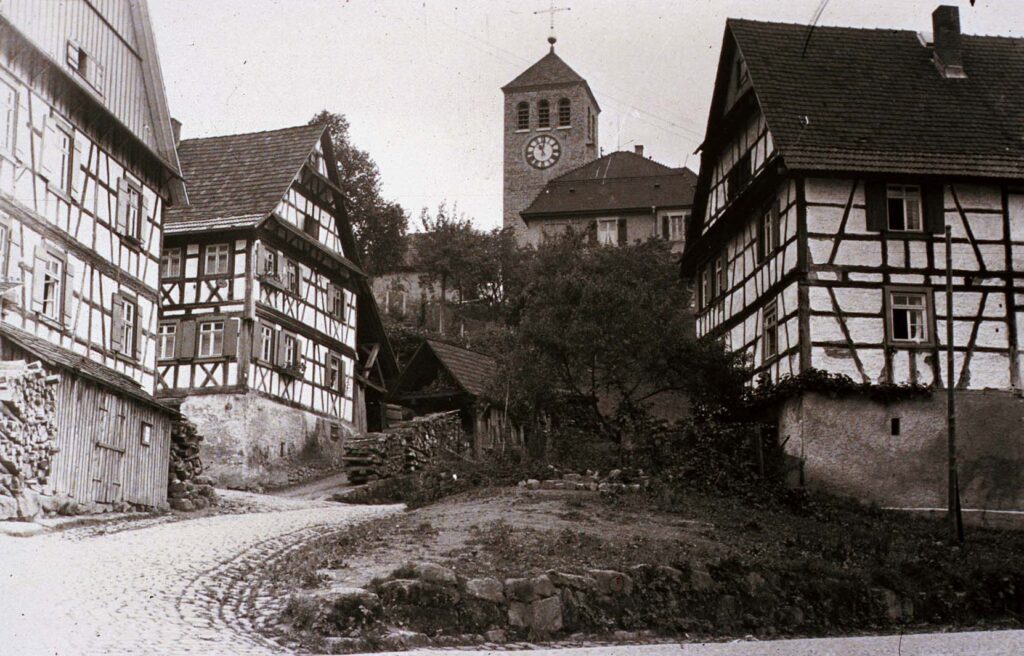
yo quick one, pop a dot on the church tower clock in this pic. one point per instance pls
(550, 128)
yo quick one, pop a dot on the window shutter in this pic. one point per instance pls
(762, 248)
(73, 55)
(121, 221)
(47, 149)
(77, 173)
(622, 238)
(117, 323)
(37, 277)
(137, 322)
(66, 290)
(97, 76)
(230, 337)
(776, 224)
(260, 258)
(143, 213)
(186, 343)
(933, 197)
(592, 233)
(282, 338)
(877, 208)
(665, 230)
(23, 134)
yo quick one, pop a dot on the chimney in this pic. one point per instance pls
(176, 129)
(946, 31)
(639, 150)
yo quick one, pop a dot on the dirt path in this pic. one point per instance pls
(321, 489)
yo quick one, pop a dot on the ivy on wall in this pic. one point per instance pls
(836, 385)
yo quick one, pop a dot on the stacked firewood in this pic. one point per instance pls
(28, 427)
(406, 447)
(187, 488)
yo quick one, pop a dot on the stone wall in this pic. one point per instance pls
(405, 447)
(252, 440)
(848, 447)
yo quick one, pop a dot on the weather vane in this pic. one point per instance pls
(551, 13)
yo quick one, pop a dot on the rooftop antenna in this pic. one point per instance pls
(814, 23)
(551, 11)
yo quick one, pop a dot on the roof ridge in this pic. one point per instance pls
(250, 134)
(445, 342)
(896, 30)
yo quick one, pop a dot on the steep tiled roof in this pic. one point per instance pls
(241, 174)
(75, 363)
(550, 69)
(618, 181)
(473, 371)
(876, 101)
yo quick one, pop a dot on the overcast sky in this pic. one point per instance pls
(420, 80)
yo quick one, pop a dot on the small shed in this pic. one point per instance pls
(441, 377)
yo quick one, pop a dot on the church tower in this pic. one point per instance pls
(550, 128)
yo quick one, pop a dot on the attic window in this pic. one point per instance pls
(742, 74)
(657, 185)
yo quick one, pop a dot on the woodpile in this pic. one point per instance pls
(187, 488)
(406, 447)
(28, 427)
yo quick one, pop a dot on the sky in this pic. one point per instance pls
(420, 80)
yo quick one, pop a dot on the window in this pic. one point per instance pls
(564, 113)
(146, 434)
(311, 226)
(523, 116)
(62, 159)
(903, 203)
(211, 339)
(291, 351)
(721, 273)
(338, 302)
(676, 227)
(86, 66)
(706, 293)
(167, 335)
(129, 209)
(909, 316)
(771, 330)
(216, 262)
(767, 232)
(52, 270)
(543, 114)
(590, 126)
(5, 240)
(266, 343)
(334, 373)
(608, 232)
(739, 175)
(292, 276)
(170, 263)
(8, 116)
(270, 263)
(124, 332)
(742, 74)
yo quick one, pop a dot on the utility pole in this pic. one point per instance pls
(956, 525)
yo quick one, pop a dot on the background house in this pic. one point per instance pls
(830, 170)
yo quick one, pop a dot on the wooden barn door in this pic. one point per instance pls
(108, 453)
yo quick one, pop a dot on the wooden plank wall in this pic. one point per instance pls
(81, 424)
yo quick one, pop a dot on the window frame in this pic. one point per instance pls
(61, 181)
(902, 190)
(770, 331)
(129, 326)
(133, 220)
(8, 141)
(335, 384)
(266, 344)
(161, 340)
(291, 342)
(614, 223)
(338, 302)
(57, 286)
(673, 220)
(206, 259)
(929, 320)
(292, 283)
(310, 226)
(200, 337)
(522, 116)
(168, 255)
(543, 114)
(564, 113)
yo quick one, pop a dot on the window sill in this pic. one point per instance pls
(211, 358)
(909, 235)
(522, 130)
(897, 344)
(49, 321)
(63, 194)
(127, 359)
(564, 127)
(133, 243)
(540, 129)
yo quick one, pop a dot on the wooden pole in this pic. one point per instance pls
(953, 492)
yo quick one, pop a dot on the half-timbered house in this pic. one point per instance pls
(87, 167)
(834, 161)
(260, 293)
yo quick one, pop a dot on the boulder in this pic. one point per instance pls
(418, 593)
(611, 583)
(433, 573)
(540, 617)
(177, 490)
(28, 505)
(69, 508)
(668, 574)
(533, 484)
(487, 589)
(50, 503)
(572, 581)
(402, 640)
(183, 505)
(200, 503)
(496, 635)
(8, 508)
(700, 580)
(207, 491)
(529, 589)
(550, 484)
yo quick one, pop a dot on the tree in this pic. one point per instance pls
(379, 225)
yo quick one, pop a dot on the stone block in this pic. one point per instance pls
(8, 508)
(200, 503)
(418, 593)
(177, 490)
(669, 574)
(183, 505)
(518, 614)
(546, 615)
(529, 589)
(533, 484)
(611, 583)
(433, 573)
(549, 484)
(487, 589)
(572, 581)
(496, 635)
(700, 580)
(28, 505)
(575, 478)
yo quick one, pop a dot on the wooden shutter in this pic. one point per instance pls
(933, 198)
(117, 323)
(186, 342)
(65, 290)
(41, 256)
(282, 338)
(23, 134)
(665, 230)
(259, 258)
(623, 239)
(776, 225)
(592, 233)
(877, 205)
(77, 173)
(121, 220)
(73, 56)
(230, 337)
(137, 350)
(143, 213)
(762, 248)
(47, 149)
(257, 339)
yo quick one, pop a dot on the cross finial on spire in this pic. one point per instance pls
(551, 13)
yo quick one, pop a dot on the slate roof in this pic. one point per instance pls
(877, 103)
(240, 175)
(549, 69)
(473, 371)
(616, 182)
(77, 364)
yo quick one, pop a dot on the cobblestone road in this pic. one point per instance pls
(155, 587)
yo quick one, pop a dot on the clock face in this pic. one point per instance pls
(543, 152)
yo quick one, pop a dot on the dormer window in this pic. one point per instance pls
(903, 203)
(544, 114)
(523, 116)
(86, 66)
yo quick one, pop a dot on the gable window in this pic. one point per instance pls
(742, 73)
(338, 302)
(739, 175)
(903, 205)
(8, 116)
(123, 334)
(523, 116)
(129, 209)
(543, 114)
(271, 262)
(311, 226)
(910, 315)
(266, 343)
(86, 66)
(334, 373)
(170, 263)
(51, 298)
(564, 113)
(167, 336)
(211, 339)
(216, 260)
(608, 232)
(676, 227)
(292, 276)
(770, 327)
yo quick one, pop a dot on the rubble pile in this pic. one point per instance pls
(187, 488)
(407, 447)
(614, 482)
